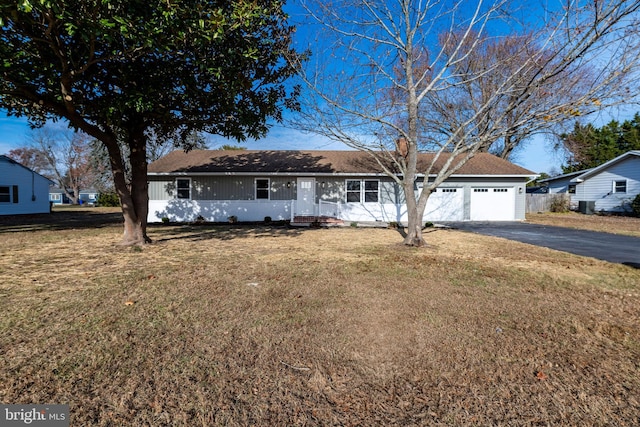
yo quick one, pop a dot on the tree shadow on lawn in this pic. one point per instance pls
(197, 232)
(76, 219)
(61, 220)
(403, 231)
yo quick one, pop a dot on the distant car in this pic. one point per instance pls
(540, 189)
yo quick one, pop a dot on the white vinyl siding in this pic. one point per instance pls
(217, 197)
(22, 191)
(613, 188)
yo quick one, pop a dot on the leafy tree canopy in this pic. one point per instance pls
(123, 70)
(214, 66)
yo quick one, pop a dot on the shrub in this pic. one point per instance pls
(267, 219)
(635, 206)
(109, 200)
(428, 224)
(559, 203)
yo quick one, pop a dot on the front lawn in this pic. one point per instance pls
(236, 326)
(616, 224)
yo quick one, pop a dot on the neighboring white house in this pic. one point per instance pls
(343, 185)
(22, 191)
(610, 187)
(58, 197)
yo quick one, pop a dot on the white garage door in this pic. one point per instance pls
(445, 204)
(493, 204)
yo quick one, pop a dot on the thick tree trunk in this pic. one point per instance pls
(134, 198)
(415, 212)
(135, 217)
(414, 232)
(415, 208)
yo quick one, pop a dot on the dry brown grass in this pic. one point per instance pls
(607, 223)
(277, 326)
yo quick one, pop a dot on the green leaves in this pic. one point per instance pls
(25, 6)
(215, 66)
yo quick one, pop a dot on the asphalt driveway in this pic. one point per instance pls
(604, 246)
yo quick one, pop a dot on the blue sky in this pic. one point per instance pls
(538, 154)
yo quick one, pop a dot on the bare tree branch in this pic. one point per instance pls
(457, 78)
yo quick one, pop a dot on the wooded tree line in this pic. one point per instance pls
(589, 146)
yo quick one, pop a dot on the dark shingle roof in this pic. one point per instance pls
(311, 162)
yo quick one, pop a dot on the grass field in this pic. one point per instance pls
(607, 223)
(258, 325)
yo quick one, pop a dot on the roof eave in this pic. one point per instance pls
(605, 165)
(183, 173)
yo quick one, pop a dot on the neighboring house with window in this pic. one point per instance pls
(330, 186)
(610, 187)
(22, 191)
(58, 197)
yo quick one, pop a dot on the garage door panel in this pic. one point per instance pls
(445, 204)
(492, 204)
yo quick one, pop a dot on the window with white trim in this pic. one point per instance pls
(56, 197)
(353, 190)
(371, 191)
(620, 186)
(262, 188)
(183, 188)
(367, 191)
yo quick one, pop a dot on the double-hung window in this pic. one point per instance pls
(262, 188)
(5, 194)
(371, 188)
(367, 191)
(183, 187)
(6, 191)
(620, 186)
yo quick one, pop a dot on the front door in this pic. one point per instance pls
(306, 196)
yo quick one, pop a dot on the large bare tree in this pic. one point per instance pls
(67, 156)
(457, 78)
